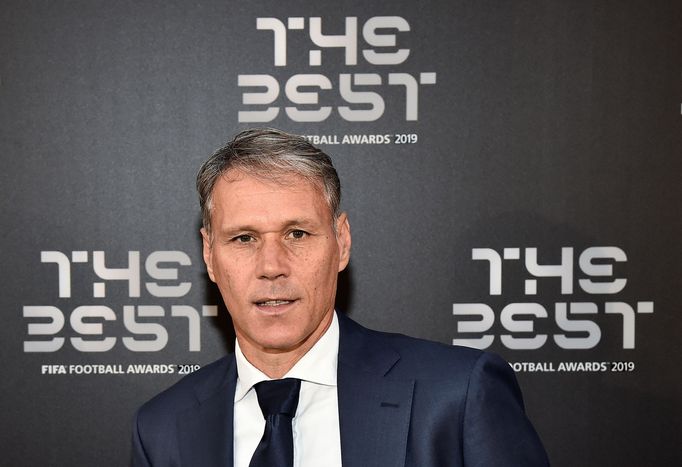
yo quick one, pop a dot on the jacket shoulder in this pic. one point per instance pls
(187, 392)
(415, 358)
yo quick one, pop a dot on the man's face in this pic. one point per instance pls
(275, 257)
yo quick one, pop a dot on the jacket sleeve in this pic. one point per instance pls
(496, 431)
(139, 457)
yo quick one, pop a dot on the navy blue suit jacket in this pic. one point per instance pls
(402, 402)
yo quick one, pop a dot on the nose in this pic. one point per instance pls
(273, 260)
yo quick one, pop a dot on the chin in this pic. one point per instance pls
(280, 342)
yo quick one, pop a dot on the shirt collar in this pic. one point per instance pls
(317, 366)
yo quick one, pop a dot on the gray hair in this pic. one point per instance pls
(269, 154)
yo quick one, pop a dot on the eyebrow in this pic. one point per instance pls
(299, 222)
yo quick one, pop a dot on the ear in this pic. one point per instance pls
(343, 240)
(208, 258)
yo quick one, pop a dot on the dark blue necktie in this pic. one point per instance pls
(278, 400)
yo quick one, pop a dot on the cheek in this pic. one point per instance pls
(322, 274)
(231, 278)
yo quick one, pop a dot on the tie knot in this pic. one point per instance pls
(278, 396)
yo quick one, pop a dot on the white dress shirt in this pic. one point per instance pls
(317, 439)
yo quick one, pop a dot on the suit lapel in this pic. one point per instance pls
(374, 409)
(205, 431)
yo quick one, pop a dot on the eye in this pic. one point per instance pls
(244, 238)
(298, 234)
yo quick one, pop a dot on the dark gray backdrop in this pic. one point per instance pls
(550, 125)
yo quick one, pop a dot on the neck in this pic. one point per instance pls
(275, 367)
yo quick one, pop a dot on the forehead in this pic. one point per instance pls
(240, 197)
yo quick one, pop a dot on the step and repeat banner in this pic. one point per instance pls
(511, 170)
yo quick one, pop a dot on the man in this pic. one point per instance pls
(274, 241)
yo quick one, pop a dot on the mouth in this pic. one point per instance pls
(273, 302)
(274, 305)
